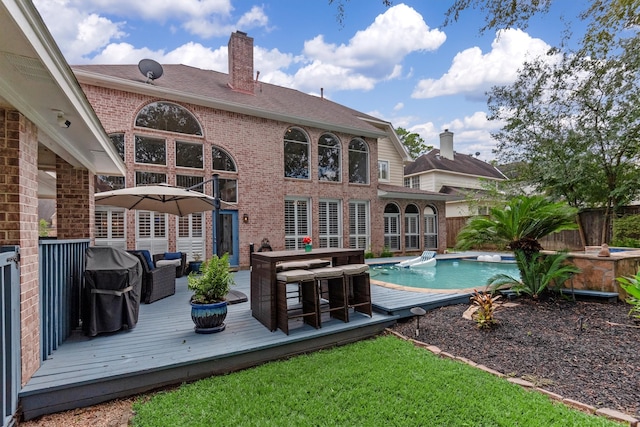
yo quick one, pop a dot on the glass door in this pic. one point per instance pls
(229, 242)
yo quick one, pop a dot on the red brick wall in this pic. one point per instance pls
(240, 52)
(19, 223)
(75, 203)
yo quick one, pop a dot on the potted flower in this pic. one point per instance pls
(194, 266)
(210, 287)
(306, 240)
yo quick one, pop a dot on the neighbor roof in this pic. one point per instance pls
(462, 163)
(210, 88)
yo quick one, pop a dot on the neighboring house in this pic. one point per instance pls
(47, 127)
(289, 164)
(458, 175)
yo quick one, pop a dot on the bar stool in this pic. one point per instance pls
(358, 287)
(332, 292)
(298, 285)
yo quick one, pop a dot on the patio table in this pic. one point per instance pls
(263, 276)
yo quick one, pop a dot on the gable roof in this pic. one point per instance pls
(211, 89)
(387, 191)
(462, 163)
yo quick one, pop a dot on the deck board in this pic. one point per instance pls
(163, 349)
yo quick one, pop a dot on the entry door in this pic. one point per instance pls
(229, 240)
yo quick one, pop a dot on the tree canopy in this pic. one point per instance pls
(413, 142)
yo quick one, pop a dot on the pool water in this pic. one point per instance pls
(448, 274)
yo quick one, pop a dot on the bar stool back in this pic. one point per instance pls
(296, 297)
(332, 291)
(358, 287)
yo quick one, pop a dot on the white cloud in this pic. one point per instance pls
(473, 72)
(399, 106)
(371, 55)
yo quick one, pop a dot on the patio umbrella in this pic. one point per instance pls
(159, 198)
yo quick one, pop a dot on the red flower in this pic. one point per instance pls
(306, 240)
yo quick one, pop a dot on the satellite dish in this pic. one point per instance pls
(150, 69)
(477, 153)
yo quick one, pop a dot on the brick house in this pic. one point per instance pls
(448, 172)
(289, 164)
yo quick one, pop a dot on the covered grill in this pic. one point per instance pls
(113, 283)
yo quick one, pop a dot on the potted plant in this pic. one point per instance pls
(208, 304)
(194, 266)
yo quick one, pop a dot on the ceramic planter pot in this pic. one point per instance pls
(209, 318)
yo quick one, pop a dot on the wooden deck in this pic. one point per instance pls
(163, 349)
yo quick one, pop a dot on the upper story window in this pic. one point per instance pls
(169, 117)
(189, 155)
(329, 158)
(412, 182)
(383, 170)
(296, 154)
(117, 139)
(188, 181)
(108, 183)
(358, 162)
(151, 150)
(222, 161)
(146, 178)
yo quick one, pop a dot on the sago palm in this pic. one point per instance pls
(519, 225)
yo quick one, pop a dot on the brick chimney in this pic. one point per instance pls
(446, 144)
(240, 51)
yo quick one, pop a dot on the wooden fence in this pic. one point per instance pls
(592, 222)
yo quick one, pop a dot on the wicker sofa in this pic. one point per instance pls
(157, 282)
(180, 269)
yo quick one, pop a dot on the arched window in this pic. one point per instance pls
(358, 162)
(222, 161)
(430, 228)
(411, 227)
(296, 154)
(329, 158)
(392, 227)
(169, 117)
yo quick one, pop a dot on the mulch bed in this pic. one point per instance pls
(585, 351)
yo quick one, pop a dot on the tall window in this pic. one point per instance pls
(188, 181)
(392, 227)
(296, 154)
(296, 222)
(329, 158)
(151, 150)
(223, 162)
(359, 236)
(411, 227)
(358, 162)
(430, 228)
(383, 170)
(169, 117)
(110, 226)
(189, 155)
(330, 224)
(117, 139)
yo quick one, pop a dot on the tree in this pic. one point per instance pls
(519, 225)
(413, 142)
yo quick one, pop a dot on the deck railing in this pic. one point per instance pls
(61, 281)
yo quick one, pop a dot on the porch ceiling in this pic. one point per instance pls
(36, 80)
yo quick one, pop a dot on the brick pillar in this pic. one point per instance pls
(19, 223)
(75, 204)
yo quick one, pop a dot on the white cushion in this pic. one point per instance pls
(352, 269)
(292, 276)
(174, 262)
(326, 272)
(292, 265)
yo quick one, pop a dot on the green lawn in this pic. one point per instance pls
(380, 382)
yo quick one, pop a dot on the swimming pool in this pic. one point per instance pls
(450, 274)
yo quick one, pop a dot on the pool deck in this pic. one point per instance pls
(163, 350)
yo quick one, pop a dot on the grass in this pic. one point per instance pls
(380, 382)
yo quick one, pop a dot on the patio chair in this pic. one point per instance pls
(176, 259)
(157, 282)
(296, 297)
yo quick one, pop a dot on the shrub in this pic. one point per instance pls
(626, 231)
(486, 308)
(386, 253)
(631, 285)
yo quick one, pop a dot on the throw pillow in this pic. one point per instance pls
(172, 255)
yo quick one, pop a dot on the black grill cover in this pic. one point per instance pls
(113, 282)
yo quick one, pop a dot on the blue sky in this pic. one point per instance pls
(397, 63)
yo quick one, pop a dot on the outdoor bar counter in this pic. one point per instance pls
(263, 276)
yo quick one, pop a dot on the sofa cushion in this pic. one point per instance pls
(172, 255)
(147, 256)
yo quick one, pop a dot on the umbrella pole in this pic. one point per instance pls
(216, 214)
